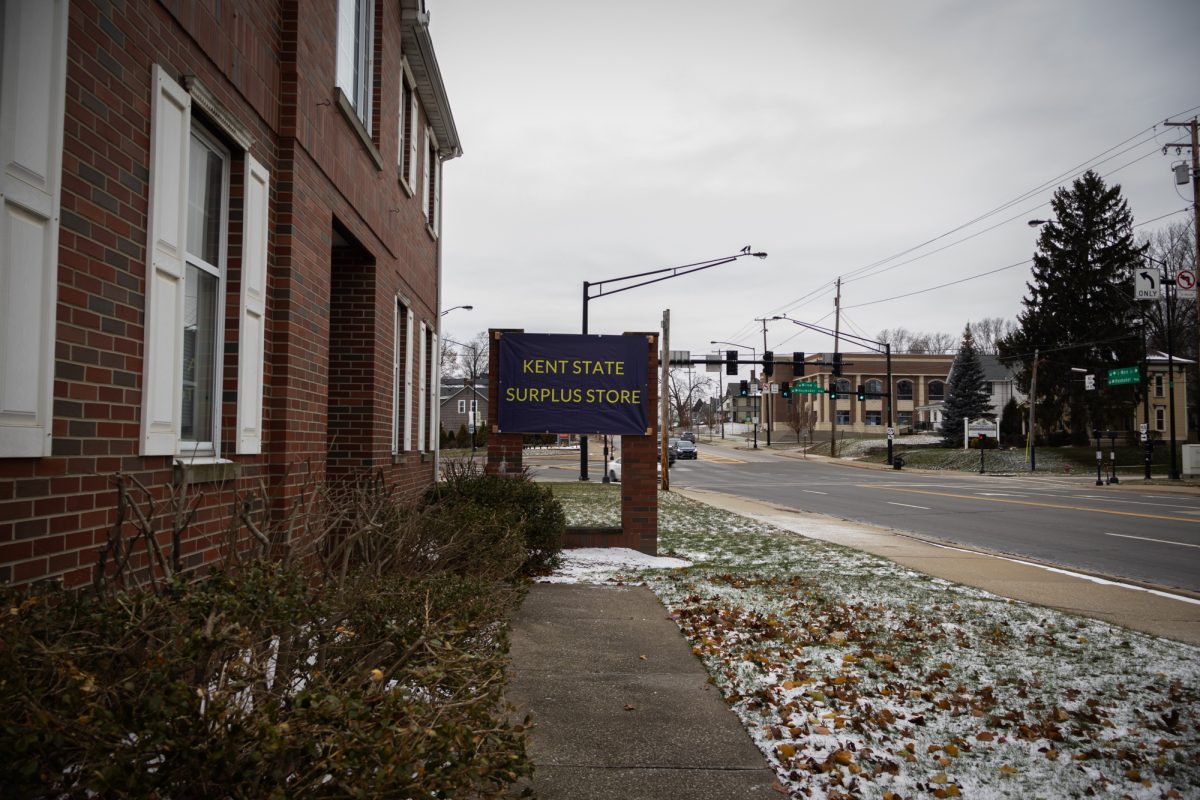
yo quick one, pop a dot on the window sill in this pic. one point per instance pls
(347, 108)
(206, 469)
(432, 233)
(410, 191)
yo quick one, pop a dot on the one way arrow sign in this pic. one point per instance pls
(1145, 283)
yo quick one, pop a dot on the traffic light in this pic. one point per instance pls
(785, 389)
(768, 363)
(744, 388)
(837, 365)
(833, 391)
(862, 392)
(731, 364)
(798, 364)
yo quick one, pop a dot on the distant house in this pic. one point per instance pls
(457, 396)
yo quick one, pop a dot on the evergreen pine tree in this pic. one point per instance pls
(966, 392)
(1080, 307)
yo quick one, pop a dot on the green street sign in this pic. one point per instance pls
(808, 388)
(1124, 375)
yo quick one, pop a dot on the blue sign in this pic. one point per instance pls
(572, 383)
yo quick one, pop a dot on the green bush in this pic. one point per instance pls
(262, 683)
(522, 504)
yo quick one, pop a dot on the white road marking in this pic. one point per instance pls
(1148, 539)
(906, 505)
(813, 491)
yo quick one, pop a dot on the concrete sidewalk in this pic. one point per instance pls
(621, 706)
(1170, 615)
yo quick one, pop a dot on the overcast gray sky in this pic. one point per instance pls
(607, 138)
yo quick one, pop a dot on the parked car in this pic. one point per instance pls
(688, 450)
(687, 436)
(672, 454)
(614, 470)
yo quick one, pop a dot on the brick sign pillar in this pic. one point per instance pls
(639, 471)
(504, 452)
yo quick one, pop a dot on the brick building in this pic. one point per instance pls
(219, 259)
(917, 380)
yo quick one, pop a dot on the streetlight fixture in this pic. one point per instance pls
(652, 276)
(753, 358)
(452, 308)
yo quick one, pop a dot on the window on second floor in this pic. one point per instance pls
(874, 386)
(431, 197)
(1158, 386)
(356, 56)
(937, 390)
(406, 155)
(462, 406)
(904, 390)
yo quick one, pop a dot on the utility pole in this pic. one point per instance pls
(1195, 145)
(664, 402)
(1032, 406)
(765, 387)
(837, 322)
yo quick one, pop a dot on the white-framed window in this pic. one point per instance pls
(462, 406)
(1158, 387)
(402, 379)
(33, 68)
(185, 285)
(874, 417)
(431, 195)
(433, 389)
(406, 153)
(843, 417)
(356, 55)
(1160, 419)
(204, 289)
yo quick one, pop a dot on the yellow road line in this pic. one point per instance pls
(721, 459)
(1033, 503)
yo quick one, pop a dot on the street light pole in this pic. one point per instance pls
(652, 276)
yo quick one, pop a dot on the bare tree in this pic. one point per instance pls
(941, 343)
(685, 387)
(801, 417)
(473, 358)
(988, 332)
(448, 361)
(899, 338)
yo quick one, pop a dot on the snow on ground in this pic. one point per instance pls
(859, 678)
(598, 564)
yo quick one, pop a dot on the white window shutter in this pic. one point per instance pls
(345, 47)
(253, 305)
(435, 407)
(413, 119)
(396, 416)
(408, 380)
(437, 195)
(421, 379)
(33, 75)
(162, 374)
(425, 175)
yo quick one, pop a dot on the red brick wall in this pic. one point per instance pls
(271, 64)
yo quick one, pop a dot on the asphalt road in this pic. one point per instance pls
(1128, 534)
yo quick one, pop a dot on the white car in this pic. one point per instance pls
(614, 470)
